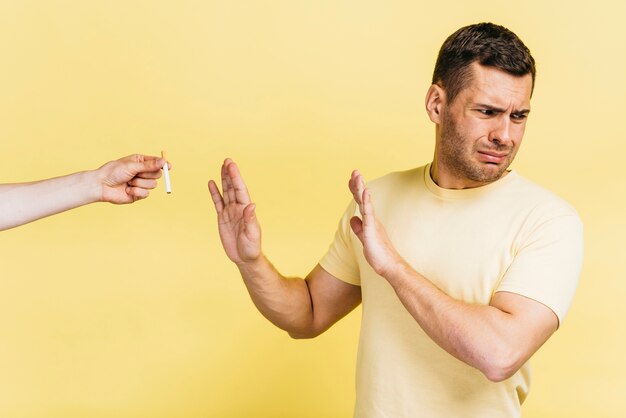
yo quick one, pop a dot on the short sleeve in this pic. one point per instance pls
(547, 267)
(340, 260)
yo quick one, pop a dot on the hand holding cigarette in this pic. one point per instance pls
(130, 178)
(121, 181)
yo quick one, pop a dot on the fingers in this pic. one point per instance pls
(229, 195)
(367, 210)
(241, 192)
(353, 187)
(137, 193)
(233, 186)
(143, 183)
(363, 198)
(356, 186)
(148, 164)
(150, 174)
(216, 196)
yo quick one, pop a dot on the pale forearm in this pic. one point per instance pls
(26, 202)
(482, 336)
(285, 302)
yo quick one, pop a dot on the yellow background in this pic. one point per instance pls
(135, 311)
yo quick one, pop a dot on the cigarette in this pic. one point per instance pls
(166, 174)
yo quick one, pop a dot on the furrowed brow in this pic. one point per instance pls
(489, 107)
(500, 110)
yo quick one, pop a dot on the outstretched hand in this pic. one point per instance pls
(130, 178)
(377, 248)
(239, 229)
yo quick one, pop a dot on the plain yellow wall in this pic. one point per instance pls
(136, 312)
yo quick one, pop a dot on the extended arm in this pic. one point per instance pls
(497, 339)
(122, 181)
(303, 308)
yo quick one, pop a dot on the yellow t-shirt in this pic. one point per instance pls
(510, 235)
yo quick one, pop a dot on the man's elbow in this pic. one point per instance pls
(501, 367)
(298, 335)
(305, 333)
(497, 375)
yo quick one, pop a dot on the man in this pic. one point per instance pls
(464, 268)
(122, 181)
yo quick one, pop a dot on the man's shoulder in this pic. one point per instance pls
(396, 180)
(538, 198)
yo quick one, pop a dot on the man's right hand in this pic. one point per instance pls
(286, 302)
(239, 229)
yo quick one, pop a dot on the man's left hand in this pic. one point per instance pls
(377, 248)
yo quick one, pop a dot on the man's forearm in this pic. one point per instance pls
(25, 202)
(482, 336)
(286, 302)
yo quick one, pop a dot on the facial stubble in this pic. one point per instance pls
(457, 158)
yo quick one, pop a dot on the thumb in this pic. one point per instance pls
(251, 226)
(146, 165)
(249, 216)
(357, 227)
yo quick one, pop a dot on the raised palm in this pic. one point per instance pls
(239, 229)
(377, 248)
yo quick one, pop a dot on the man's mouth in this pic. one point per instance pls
(492, 156)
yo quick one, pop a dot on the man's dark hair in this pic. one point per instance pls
(486, 43)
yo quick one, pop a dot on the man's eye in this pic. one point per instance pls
(487, 112)
(518, 116)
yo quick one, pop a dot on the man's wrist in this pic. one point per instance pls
(396, 269)
(253, 267)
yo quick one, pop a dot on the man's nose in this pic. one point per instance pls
(501, 132)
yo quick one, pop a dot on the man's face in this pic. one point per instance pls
(481, 130)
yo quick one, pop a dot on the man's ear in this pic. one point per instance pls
(435, 99)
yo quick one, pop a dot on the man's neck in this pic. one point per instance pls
(447, 180)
